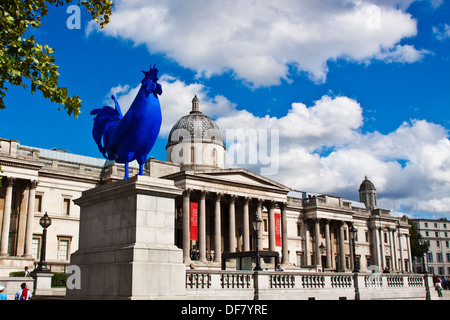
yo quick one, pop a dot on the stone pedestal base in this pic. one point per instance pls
(42, 283)
(126, 248)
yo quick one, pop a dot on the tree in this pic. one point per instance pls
(22, 58)
(417, 249)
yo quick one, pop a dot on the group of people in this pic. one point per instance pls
(23, 294)
(441, 284)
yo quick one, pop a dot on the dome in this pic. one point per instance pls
(366, 185)
(197, 126)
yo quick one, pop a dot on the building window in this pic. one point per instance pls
(36, 247)
(63, 248)
(436, 234)
(367, 236)
(438, 243)
(214, 157)
(66, 207)
(192, 155)
(439, 257)
(429, 256)
(385, 237)
(38, 203)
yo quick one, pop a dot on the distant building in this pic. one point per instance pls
(310, 232)
(437, 234)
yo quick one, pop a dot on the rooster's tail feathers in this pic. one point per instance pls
(105, 117)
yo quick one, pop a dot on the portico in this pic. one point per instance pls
(228, 200)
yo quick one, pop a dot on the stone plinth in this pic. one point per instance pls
(126, 247)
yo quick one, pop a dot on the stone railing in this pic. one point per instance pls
(248, 285)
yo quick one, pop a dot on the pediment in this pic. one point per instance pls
(242, 177)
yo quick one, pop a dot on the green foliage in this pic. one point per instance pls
(59, 280)
(17, 274)
(22, 58)
(417, 249)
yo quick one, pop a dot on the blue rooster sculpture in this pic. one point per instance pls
(130, 137)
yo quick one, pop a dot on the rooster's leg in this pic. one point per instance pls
(126, 171)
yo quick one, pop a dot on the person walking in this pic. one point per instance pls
(439, 288)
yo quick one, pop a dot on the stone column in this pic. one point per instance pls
(402, 264)
(394, 241)
(284, 238)
(391, 242)
(383, 260)
(317, 236)
(376, 246)
(271, 213)
(6, 216)
(30, 218)
(202, 226)
(408, 245)
(217, 231)
(186, 226)
(259, 214)
(232, 224)
(328, 243)
(246, 225)
(341, 247)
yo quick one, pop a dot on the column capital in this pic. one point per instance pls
(10, 181)
(219, 196)
(187, 192)
(32, 184)
(259, 201)
(271, 204)
(203, 194)
(233, 198)
(282, 205)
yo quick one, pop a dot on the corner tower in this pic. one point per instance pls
(196, 141)
(368, 194)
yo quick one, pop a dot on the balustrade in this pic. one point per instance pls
(298, 285)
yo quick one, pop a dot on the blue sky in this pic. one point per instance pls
(353, 88)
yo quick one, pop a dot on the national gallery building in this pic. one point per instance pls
(213, 215)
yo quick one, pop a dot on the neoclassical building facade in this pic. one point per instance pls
(213, 216)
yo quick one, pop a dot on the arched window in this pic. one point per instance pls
(214, 157)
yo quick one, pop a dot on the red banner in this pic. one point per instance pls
(278, 229)
(194, 221)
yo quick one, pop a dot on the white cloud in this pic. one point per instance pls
(322, 149)
(259, 41)
(442, 31)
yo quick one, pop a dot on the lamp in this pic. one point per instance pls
(423, 245)
(257, 227)
(354, 234)
(322, 248)
(45, 222)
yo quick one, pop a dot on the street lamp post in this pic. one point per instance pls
(422, 244)
(257, 226)
(353, 233)
(322, 250)
(45, 222)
